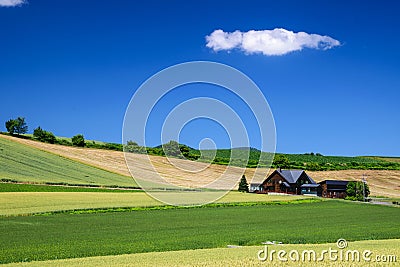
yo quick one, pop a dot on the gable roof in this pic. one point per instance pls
(293, 175)
(290, 175)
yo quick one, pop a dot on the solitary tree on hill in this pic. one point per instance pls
(243, 185)
(17, 126)
(172, 149)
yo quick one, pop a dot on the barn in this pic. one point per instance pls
(333, 188)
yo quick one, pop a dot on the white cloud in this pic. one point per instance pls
(220, 40)
(10, 3)
(274, 42)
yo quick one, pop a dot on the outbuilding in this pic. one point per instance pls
(333, 188)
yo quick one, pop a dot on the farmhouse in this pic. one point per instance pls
(289, 182)
(297, 182)
(333, 188)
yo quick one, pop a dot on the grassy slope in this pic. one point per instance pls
(70, 236)
(244, 256)
(24, 163)
(17, 203)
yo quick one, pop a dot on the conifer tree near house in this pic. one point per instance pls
(243, 185)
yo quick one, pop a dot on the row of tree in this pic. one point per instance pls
(19, 127)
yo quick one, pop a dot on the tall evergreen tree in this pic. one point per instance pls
(243, 185)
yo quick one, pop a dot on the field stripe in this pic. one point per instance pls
(18, 203)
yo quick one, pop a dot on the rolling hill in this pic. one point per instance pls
(112, 167)
(21, 162)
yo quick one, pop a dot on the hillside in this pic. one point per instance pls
(308, 161)
(390, 159)
(114, 161)
(382, 182)
(25, 163)
(246, 157)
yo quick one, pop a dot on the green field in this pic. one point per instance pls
(22, 163)
(27, 238)
(22, 203)
(242, 256)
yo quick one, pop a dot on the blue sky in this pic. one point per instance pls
(72, 66)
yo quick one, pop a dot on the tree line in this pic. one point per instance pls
(18, 127)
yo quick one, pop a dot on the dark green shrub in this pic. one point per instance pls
(63, 142)
(78, 140)
(355, 191)
(133, 147)
(44, 136)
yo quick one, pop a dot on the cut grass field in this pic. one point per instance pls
(382, 183)
(242, 256)
(32, 238)
(24, 163)
(23, 203)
